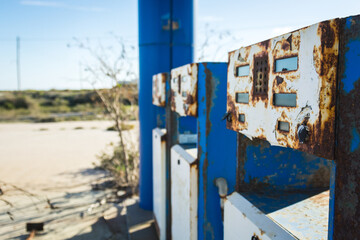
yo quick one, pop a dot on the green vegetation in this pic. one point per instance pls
(124, 127)
(57, 105)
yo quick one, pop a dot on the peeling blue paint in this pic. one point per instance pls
(349, 21)
(216, 146)
(355, 141)
(352, 71)
(283, 168)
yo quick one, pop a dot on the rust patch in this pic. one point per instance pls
(190, 99)
(173, 105)
(347, 186)
(264, 44)
(232, 110)
(209, 89)
(320, 178)
(327, 34)
(279, 80)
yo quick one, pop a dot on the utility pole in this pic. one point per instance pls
(18, 62)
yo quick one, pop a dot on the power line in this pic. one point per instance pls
(36, 39)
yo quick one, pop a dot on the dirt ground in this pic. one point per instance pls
(46, 172)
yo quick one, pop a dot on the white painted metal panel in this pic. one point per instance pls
(242, 220)
(184, 89)
(184, 193)
(159, 180)
(307, 219)
(312, 80)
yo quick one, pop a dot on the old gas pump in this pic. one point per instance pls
(160, 81)
(171, 129)
(290, 91)
(199, 90)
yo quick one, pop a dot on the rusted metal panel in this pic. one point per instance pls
(313, 81)
(184, 90)
(159, 89)
(184, 193)
(159, 180)
(347, 177)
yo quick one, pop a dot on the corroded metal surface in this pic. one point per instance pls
(159, 89)
(347, 181)
(184, 90)
(313, 81)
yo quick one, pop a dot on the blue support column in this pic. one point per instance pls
(162, 46)
(216, 148)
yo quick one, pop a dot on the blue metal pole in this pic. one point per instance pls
(165, 41)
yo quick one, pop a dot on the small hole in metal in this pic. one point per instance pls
(178, 161)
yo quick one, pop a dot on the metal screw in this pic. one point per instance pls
(255, 238)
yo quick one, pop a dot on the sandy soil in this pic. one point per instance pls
(54, 161)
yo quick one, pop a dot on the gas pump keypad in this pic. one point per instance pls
(283, 89)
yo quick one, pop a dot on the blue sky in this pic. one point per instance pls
(46, 27)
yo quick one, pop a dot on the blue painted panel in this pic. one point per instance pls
(352, 71)
(269, 167)
(187, 125)
(332, 202)
(182, 55)
(216, 146)
(183, 13)
(160, 116)
(151, 13)
(147, 114)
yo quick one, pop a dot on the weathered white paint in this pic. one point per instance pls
(242, 220)
(313, 90)
(307, 219)
(187, 75)
(159, 89)
(184, 193)
(159, 180)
